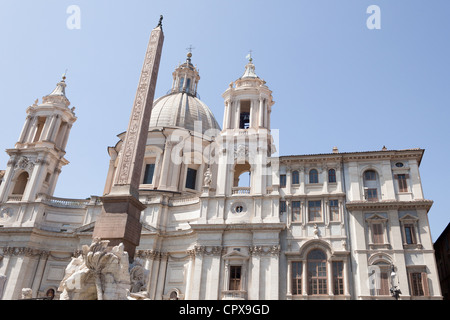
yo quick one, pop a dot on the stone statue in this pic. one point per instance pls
(98, 273)
(160, 21)
(207, 178)
(27, 293)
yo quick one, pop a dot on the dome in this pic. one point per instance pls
(181, 109)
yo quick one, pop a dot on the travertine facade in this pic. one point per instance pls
(225, 216)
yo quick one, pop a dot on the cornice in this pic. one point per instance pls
(356, 156)
(389, 205)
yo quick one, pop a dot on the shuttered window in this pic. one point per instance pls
(377, 233)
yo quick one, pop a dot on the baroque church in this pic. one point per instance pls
(224, 218)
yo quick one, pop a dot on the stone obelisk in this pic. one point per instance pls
(119, 221)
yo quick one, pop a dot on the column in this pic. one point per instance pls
(253, 290)
(66, 136)
(198, 271)
(288, 180)
(252, 112)
(32, 130)
(238, 114)
(261, 112)
(43, 257)
(330, 277)
(161, 276)
(48, 127)
(25, 129)
(166, 163)
(304, 279)
(187, 294)
(289, 278)
(225, 115)
(301, 172)
(346, 278)
(54, 131)
(274, 274)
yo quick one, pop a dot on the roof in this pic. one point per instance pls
(184, 110)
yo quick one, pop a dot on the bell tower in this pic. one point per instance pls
(38, 156)
(246, 141)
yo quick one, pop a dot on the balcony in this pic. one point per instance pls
(240, 190)
(15, 198)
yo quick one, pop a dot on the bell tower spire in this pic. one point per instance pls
(246, 131)
(38, 156)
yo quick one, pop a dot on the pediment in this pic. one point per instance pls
(376, 218)
(235, 255)
(408, 217)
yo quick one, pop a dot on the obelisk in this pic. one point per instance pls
(119, 221)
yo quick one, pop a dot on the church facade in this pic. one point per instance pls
(224, 217)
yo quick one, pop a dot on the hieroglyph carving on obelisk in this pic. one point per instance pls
(131, 160)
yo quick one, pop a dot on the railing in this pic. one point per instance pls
(64, 202)
(183, 201)
(234, 295)
(240, 190)
(15, 198)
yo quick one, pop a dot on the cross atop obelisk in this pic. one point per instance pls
(119, 220)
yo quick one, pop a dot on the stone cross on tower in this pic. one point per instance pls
(119, 220)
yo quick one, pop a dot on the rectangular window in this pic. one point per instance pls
(296, 278)
(402, 185)
(315, 210)
(191, 178)
(418, 283)
(334, 210)
(377, 233)
(295, 177)
(282, 180)
(148, 175)
(383, 290)
(282, 206)
(371, 195)
(409, 234)
(235, 278)
(338, 278)
(296, 211)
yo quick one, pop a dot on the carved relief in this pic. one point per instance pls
(264, 250)
(145, 89)
(24, 163)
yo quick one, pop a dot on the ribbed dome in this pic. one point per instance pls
(181, 109)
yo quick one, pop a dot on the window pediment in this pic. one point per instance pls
(376, 218)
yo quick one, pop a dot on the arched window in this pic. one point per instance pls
(21, 183)
(295, 177)
(242, 175)
(331, 175)
(173, 295)
(317, 272)
(313, 176)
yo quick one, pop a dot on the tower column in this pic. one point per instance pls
(237, 105)
(261, 112)
(25, 129)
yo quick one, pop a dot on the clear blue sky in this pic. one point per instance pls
(335, 82)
